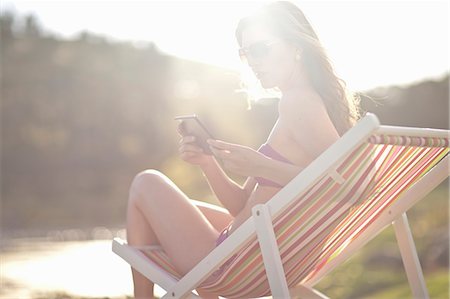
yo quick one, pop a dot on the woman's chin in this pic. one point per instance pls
(267, 84)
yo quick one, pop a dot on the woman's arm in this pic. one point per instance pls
(245, 161)
(279, 172)
(310, 125)
(232, 196)
(307, 121)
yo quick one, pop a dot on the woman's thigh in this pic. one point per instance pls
(219, 217)
(181, 228)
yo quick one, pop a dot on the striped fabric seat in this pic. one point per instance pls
(316, 228)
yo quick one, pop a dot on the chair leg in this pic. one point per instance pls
(270, 252)
(409, 256)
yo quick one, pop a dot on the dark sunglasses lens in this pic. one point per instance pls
(258, 51)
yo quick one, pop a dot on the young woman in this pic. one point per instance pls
(282, 49)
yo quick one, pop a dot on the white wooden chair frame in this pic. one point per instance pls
(261, 223)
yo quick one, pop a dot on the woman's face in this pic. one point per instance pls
(271, 59)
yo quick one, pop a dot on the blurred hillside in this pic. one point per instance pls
(79, 118)
(424, 104)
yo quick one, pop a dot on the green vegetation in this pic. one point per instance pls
(377, 270)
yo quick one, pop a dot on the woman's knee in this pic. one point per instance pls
(146, 182)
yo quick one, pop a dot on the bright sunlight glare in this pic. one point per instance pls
(82, 269)
(370, 43)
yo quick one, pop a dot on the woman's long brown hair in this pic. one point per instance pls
(288, 22)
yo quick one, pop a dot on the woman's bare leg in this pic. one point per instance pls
(159, 213)
(217, 216)
(139, 233)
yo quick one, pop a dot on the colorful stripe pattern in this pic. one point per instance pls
(317, 226)
(409, 141)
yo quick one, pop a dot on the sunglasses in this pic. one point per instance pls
(256, 51)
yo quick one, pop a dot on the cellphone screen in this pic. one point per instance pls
(191, 125)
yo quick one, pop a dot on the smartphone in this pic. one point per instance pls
(191, 125)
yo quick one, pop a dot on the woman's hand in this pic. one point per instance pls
(192, 153)
(238, 159)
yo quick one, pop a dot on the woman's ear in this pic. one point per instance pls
(296, 51)
(298, 54)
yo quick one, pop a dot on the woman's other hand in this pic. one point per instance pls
(239, 159)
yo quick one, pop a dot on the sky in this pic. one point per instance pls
(370, 43)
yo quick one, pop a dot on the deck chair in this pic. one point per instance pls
(364, 182)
